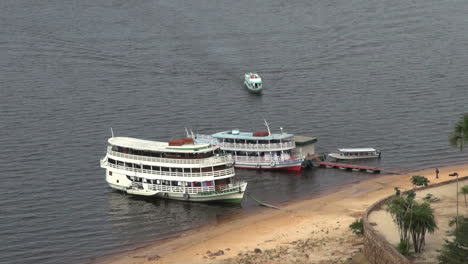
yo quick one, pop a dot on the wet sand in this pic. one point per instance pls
(312, 230)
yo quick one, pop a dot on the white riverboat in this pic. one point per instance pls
(253, 82)
(258, 150)
(355, 153)
(178, 169)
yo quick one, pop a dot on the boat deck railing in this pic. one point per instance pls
(210, 160)
(219, 173)
(249, 146)
(278, 160)
(208, 190)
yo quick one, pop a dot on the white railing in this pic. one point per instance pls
(248, 146)
(194, 190)
(218, 173)
(266, 159)
(210, 160)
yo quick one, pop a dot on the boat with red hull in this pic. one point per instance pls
(261, 150)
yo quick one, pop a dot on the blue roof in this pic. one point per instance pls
(249, 136)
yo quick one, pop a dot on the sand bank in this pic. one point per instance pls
(313, 230)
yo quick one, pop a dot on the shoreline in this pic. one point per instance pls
(266, 228)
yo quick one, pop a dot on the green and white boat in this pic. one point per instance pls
(178, 169)
(253, 82)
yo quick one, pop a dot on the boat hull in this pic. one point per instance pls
(234, 195)
(253, 89)
(297, 166)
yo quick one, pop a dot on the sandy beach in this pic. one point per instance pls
(314, 230)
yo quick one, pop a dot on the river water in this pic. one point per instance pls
(354, 73)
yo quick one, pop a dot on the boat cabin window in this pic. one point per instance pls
(263, 142)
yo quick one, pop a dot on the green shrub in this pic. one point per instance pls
(357, 226)
(403, 247)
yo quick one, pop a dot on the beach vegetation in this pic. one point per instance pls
(430, 198)
(464, 191)
(357, 226)
(455, 251)
(414, 220)
(399, 207)
(422, 221)
(419, 181)
(403, 248)
(459, 135)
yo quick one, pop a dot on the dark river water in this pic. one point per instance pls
(354, 73)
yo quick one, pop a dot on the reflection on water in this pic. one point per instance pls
(354, 73)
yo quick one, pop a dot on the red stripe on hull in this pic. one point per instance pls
(290, 168)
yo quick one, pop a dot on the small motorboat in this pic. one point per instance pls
(253, 82)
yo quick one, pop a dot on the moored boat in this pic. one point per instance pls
(258, 150)
(178, 169)
(355, 153)
(253, 82)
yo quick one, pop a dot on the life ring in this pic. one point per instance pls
(186, 196)
(272, 164)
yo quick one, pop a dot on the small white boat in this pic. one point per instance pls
(355, 153)
(253, 82)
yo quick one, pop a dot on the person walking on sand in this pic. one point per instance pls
(437, 173)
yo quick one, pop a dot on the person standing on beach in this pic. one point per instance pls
(437, 173)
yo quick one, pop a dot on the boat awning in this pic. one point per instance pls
(357, 149)
(256, 80)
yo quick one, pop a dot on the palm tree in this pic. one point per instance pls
(423, 221)
(457, 139)
(460, 133)
(464, 190)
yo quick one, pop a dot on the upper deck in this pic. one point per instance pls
(238, 135)
(161, 147)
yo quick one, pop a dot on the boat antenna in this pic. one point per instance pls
(186, 132)
(112, 132)
(268, 128)
(193, 135)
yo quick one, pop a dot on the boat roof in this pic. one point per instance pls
(256, 77)
(149, 145)
(249, 135)
(357, 149)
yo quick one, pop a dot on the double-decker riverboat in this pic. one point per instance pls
(178, 169)
(258, 150)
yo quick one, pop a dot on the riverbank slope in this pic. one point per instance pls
(312, 230)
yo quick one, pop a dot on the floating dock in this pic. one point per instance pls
(343, 166)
